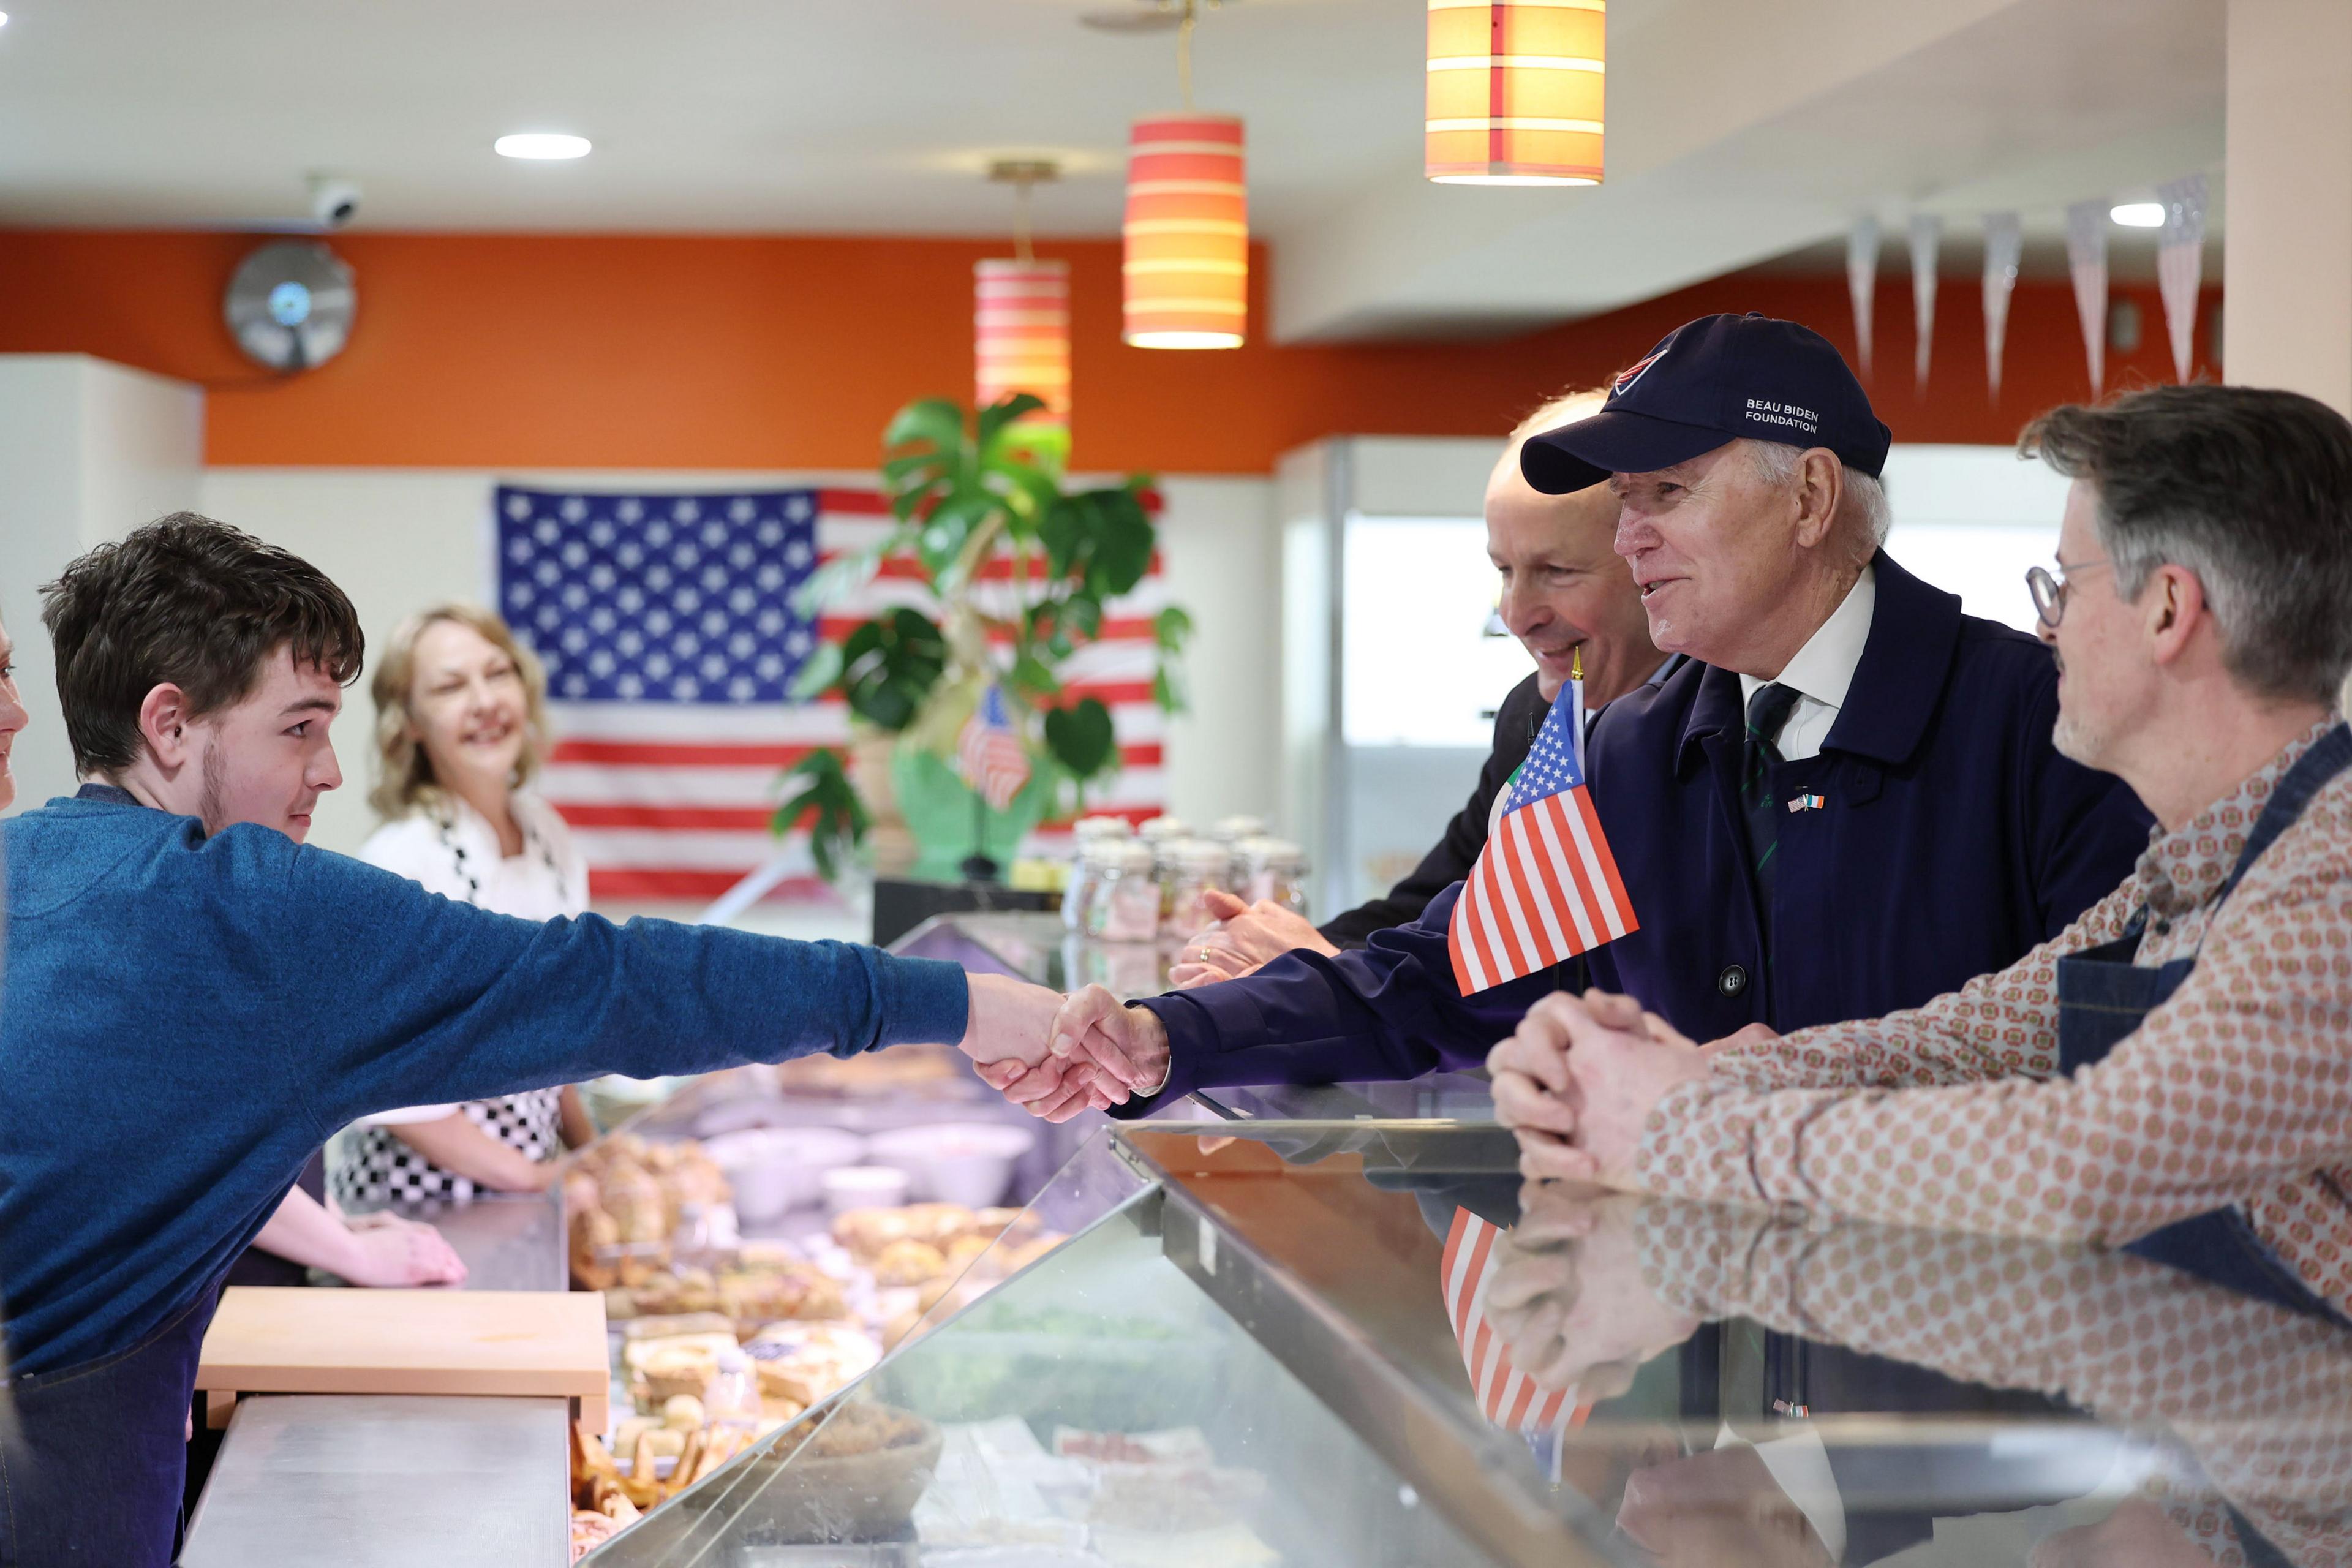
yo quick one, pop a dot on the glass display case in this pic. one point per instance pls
(1366, 1343)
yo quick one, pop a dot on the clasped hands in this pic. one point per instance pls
(1579, 1079)
(1056, 1055)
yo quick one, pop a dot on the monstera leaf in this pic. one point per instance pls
(829, 806)
(1081, 739)
(949, 483)
(885, 669)
(1102, 538)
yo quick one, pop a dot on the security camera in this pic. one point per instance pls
(333, 201)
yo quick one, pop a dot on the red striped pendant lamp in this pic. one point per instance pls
(1021, 337)
(1187, 233)
(1515, 92)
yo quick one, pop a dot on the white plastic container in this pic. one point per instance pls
(775, 1170)
(863, 1187)
(967, 1163)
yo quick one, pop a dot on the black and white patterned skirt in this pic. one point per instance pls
(381, 1167)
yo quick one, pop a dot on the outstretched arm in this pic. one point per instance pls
(434, 1000)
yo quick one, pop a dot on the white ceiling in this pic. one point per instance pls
(1739, 130)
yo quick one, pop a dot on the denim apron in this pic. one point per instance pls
(2103, 996)
(94, 1472)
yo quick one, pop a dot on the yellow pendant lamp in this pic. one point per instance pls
(1186, 235)
(1515, 92)
(1020, 314)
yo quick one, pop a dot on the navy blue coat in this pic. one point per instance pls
(1952, 839)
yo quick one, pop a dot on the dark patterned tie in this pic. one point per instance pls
(1768, 710)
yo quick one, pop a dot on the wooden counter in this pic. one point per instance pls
(519, 1344)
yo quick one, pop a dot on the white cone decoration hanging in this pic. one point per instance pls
(1862, 282)
(1926, 235)
(2086, 257)
(2004, 240)
(2180, 262)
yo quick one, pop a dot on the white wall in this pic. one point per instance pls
(1970, 520)
(399, 539)
(1334, 794)
(1222, 555)
(88, 451)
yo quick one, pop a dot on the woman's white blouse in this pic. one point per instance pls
(453, 850)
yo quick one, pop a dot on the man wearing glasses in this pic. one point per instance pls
(2173, 1072)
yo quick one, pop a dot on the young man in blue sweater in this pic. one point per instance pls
(193, 1002)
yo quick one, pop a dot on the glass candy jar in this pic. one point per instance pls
(1092, 835)
(1161, 832)
(1188, 869)
(1273, 869)
(1125, 903)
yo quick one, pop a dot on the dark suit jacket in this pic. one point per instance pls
(1953, 839)
(1450, 859)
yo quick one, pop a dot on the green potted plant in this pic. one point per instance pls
(967, 492)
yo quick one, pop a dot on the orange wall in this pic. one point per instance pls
(594, 350)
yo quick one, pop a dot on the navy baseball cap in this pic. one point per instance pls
(1708, 383)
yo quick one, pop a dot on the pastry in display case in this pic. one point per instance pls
(1091, 1407)
(1299, 1344)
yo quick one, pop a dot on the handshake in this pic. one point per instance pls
(1056, 1055)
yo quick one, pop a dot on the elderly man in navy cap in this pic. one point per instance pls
(1845, 804)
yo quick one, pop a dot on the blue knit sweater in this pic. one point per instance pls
(184, 1019)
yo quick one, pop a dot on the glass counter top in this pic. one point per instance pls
(1368, 1343)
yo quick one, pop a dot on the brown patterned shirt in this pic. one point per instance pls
(2237, 1090)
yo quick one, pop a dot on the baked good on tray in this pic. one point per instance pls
(810, 1361)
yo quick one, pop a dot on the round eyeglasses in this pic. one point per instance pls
(2050, 592)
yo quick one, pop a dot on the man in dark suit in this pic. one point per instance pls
(1564, 594)
(1847, 803)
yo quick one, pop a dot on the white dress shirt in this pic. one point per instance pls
(1821, 672)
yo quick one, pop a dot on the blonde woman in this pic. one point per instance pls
(12, 718)
(461, 728)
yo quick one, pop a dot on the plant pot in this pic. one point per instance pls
(950, 821)
(886, 835)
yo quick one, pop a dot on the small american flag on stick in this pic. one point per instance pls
(989, 753)
(1546, 887)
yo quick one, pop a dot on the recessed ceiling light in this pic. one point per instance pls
(540, 144)
(4, 19)
(2138, 215)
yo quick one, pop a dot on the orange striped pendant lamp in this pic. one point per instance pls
(1187, 233)
(1021, 334)
(1515, 92)
(1021, 312)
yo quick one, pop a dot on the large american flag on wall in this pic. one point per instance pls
(670, 630)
